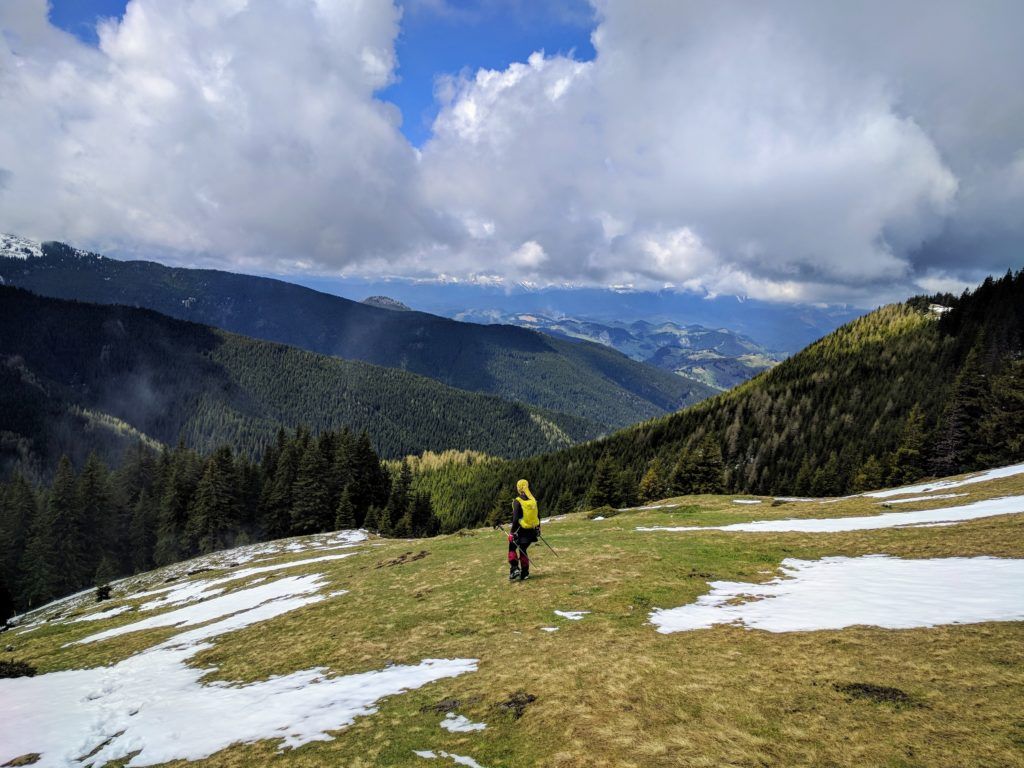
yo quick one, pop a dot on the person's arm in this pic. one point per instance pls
(517, 515)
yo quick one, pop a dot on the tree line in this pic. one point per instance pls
(159, 507)
(930, 387)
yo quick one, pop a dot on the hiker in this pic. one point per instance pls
(525, 531)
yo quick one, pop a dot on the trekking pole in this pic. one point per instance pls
(546, 544)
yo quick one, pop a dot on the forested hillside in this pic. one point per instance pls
(94, 525)
(583, 379)
(934, 386)
(77, 378)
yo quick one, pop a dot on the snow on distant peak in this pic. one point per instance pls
(14, 247)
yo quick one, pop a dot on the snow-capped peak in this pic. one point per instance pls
(14, 247)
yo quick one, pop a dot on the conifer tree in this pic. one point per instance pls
(603, 490)
(214, 507)
(709, 467)
(870, 476)
(171, 545)
(310, 495)
(141, 534)
(69, 532)
(908, 459)
(399, 501)
(654, 483)
(95, 508)
(372, 520)
(345, 516)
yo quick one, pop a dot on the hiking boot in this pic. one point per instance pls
(513, 574)
(524, 575)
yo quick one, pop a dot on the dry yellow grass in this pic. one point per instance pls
(610, 690)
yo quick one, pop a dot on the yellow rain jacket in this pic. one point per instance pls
(531, 516)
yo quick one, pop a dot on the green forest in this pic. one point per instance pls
(930, 387)
(597, 385)
(77, 378)
(94, 525)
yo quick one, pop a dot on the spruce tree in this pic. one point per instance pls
(171, 545)
(399, 501)
(345, 515)
(214, 507)
(654, 483)
(69, 531)
(310, 511)
(709, 467)
(603, 486)
(908, 459)
(142, 533)
(101, 536)
(372, 520)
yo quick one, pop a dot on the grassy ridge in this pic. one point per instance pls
(610, 690)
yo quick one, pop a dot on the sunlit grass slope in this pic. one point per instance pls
(610, 690)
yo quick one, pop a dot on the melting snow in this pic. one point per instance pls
(876, 590)
(914, 499)
(572, 615)
(599, 517)
(460, 724)
(550, 629)
(155, 704)
(108, 613)
(746, 501)
(985, 508)
(942, 485)
(457, 759)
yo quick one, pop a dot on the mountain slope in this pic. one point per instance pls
(80, 376)
(717, 357)
(904, 392)
(589, 381)
(333, 650)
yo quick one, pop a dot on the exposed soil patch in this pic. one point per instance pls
(15, 668)
(405, 557)
(30, 759)
(604, 512)
(449, 705)
(195, 571)
(516, 704)
(880, 694)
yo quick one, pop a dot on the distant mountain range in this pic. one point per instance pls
(782, 327)
(587, 381)
(717, 357)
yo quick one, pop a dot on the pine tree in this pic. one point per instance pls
(709, 467)
(399, 501)
(142, 533)
(372, 520)
(173, 516)
(70, 534)
(603, 490)
(422, 520)
(564, 505)
(19, 513)
(214, 507)
(654, 483)
(101, 537)
(908, 458)
(957, 445)
(684, 474)
(870, 476)
(345, 515)
(310, 495)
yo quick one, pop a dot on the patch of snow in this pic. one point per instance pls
(599, 517)
(943, 485)
(553, 519)
(156, 705)
(460, 724)
(914, 499)
(457, 759)
(550, 629)
(107, 614)
(649, 506)
(217, 607)
(794, 498)
(338, 593)
(985, 508)
(746, 501)
(572, 615)
(875, 590)
(14, 247)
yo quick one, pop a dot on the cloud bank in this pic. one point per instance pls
(797, 151)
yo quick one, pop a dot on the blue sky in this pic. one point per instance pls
(437, 37)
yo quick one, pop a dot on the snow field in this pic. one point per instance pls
(876, 590)
(156, 705)
(460, 724)
(930, 517)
